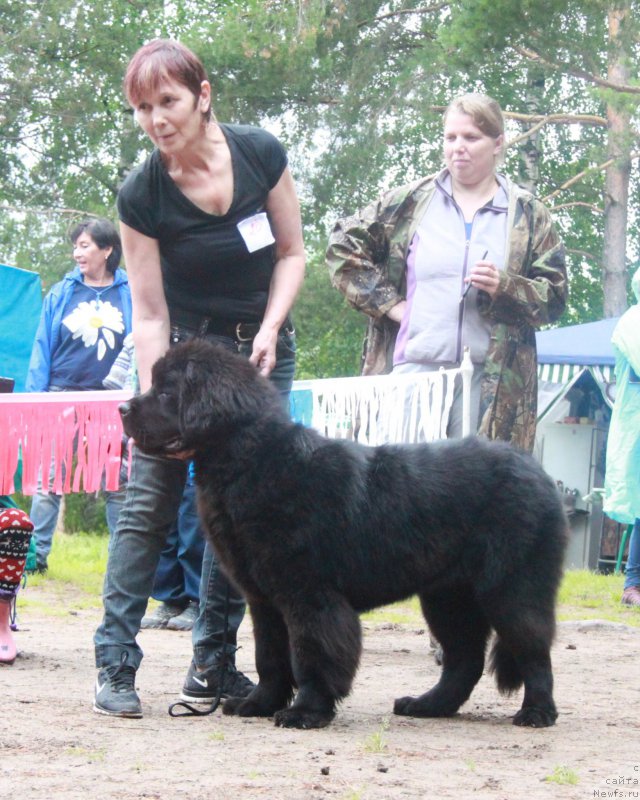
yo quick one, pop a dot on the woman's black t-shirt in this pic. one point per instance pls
(207, 266)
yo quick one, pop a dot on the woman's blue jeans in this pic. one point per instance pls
(177, 580)
(150, 509)
(632, 570)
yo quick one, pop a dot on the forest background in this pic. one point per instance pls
(356, 91)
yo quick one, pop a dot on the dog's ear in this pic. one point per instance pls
(221, 391)
(196, 409)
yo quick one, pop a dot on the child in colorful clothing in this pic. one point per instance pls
(15, 536)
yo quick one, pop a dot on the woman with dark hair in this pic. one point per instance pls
(212, 237)
(84, 320)
(105, 237)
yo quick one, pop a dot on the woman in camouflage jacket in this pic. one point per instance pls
(367, 258)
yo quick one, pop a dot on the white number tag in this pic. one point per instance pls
(256, 232)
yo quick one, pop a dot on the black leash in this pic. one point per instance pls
(190, 710)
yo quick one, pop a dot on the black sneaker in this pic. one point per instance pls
(115, 693)
(202, 687)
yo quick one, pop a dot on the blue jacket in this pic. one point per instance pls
(48, 333)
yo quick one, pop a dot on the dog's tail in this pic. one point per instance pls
(503, 665)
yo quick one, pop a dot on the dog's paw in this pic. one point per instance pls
(535, 717)
(299, 718)
(427, 705)
(247, 707)
(402, 706)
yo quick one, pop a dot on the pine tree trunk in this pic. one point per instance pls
(529, 150)
(617, 181)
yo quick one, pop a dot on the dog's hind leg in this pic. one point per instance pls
(520, 655)
(462, 630)
(275, 685)
(326, 642)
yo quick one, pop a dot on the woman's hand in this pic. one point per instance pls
(486, 276)
(396, 313)
(263, 355)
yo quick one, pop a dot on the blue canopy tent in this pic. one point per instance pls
(565, 354)
(20, 304)
(576, 346)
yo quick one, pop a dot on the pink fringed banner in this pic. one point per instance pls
(59, 425)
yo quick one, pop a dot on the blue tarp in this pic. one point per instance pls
(20, 304)
(587, 345)
(301, 405)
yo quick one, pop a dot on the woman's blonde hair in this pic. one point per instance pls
(483, 110)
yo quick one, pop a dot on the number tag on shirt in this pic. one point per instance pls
(256, 232)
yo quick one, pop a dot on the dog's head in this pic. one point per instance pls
(200, 392)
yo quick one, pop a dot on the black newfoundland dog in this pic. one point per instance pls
(315, 531)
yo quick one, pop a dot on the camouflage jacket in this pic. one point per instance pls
(367, 258)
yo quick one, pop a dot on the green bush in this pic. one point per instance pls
(82, 512)
(85, 512)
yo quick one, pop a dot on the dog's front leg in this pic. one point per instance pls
(275, 686)
(326, 641)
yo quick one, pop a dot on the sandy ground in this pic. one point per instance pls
(53, 746)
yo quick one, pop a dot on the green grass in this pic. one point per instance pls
(583, 595)
(77, 564)
(376, 742)
(564, 776)
(87, 755)
(588, 595)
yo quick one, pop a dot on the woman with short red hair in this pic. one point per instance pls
(212, 238)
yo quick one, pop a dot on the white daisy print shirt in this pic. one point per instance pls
(91, 337)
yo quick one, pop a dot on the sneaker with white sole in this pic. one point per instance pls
(115, 692)
(202, 687)
(160, 616)
(184, 621)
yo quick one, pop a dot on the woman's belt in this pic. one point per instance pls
(201, 325)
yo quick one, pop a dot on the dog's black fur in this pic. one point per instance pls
(315, 531)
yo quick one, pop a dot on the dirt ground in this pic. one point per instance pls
(53, 746)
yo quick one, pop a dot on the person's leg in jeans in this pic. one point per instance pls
(150, 508)
(45, 509)
(190, 550)
(631, 593)
(208, 629)
(184, 573)
(168, 586)
(114, 501)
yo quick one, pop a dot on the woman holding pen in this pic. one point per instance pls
(463, 259)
